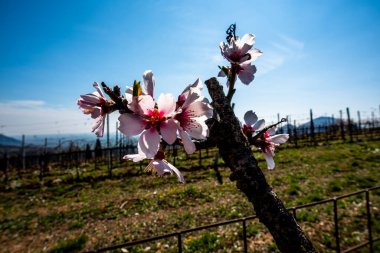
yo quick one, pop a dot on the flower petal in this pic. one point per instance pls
(250, 118)
(166, 104)
(269, 159)
(149, 82)
(134, 157)
(253, 53)
(259, 125)
(246, 75)
(187, 142)
(168, 130)
(96, 86)
(199, 108)
(271, 131)
(89, 100)
(194, 95)
(129, 94)
(221, 73)
(176, 171)
(142, 104)
(279, 138)
(149, 142)
(246, 43)
(99, 126)
(131, 124)
(198, 128)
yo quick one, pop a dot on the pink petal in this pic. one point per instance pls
(254, 53)
(194, 95)
(196, 130)
(142, 104)
(149, 142)
(99, 126)
(199, 108)
(134, 157)
(176, 171)
(250, 118)
(96, 112)
(149, 82)
(269, 159)
(259, 125)
(168, 130)
(89, 100)
(160, 167)
(131, 124)
(279, 138)
(246, 43)
(96, 86)
(129, 94)
(197, 84)
(271, 131)
(221, 74)
(166, 104)
(246, 75)
(187, 142)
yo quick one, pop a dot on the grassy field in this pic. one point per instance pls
(69, 215)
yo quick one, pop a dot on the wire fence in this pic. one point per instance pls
(369, 243)
(44, 160)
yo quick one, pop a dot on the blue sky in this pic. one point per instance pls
(317, 54)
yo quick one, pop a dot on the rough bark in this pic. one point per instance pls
(249, 178)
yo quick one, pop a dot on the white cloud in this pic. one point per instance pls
(37, 117)
(23, 103)
(282, 51)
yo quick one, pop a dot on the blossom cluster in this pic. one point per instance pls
(263, 138)
(155, 121)
(169, 120)
(240, 54)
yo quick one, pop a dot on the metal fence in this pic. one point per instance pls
(243, 221)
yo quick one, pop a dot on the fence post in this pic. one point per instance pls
(288, 127)
(312, 128)
(108, 147)
(349, 124)
(295, 134)
(359, 122)
(179, 242)
(336, 226)
(369, 223)
(342, 126)
(280, 126)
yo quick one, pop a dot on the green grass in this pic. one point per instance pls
(96, 211)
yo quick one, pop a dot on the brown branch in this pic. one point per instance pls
(250, 179)
(119, 102)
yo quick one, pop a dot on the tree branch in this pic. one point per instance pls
(237, 155)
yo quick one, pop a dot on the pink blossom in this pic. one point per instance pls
(240, 51)
(268, 143)
(158, 165)
(252, 124)
(151, 119)
(93, 103)
(240, 54)
(191, 113)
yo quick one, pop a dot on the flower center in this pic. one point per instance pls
(154, 117)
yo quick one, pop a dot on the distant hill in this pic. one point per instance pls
(8, 141)
(320, 121)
